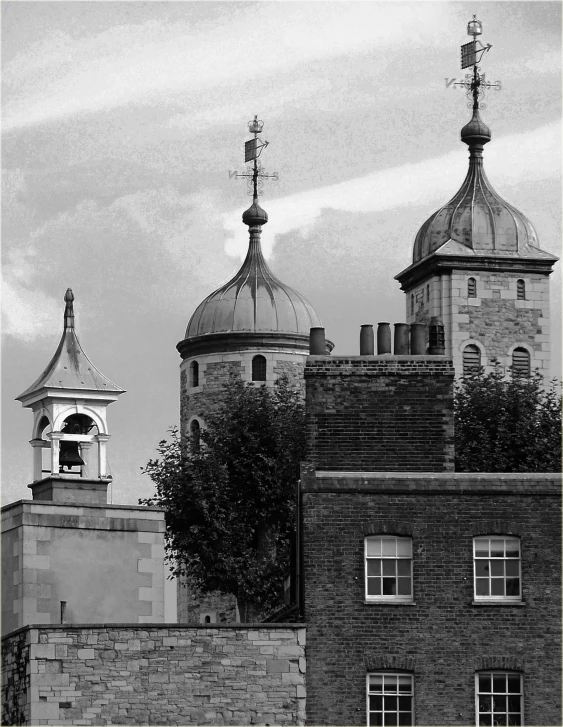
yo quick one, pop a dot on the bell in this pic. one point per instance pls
(69, 456)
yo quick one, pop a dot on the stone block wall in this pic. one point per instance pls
(443, 637)
(166, 675)
(380, 413)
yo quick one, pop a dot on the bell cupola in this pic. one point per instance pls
(477, 263)
(70, 431)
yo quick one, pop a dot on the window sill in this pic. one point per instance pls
(497, 603)
(390, 602)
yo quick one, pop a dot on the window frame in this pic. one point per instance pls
(259, 360)
(387, 598)
(520, 289)
(492, 673)
(370, 693)
(489, 598)
(194, 374)
(473, 349)
(518, 372)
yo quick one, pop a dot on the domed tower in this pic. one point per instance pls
(477, 264)
(253, 326)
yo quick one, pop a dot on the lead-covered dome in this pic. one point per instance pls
(477, 220)
(254, 300)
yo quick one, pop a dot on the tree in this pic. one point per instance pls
(230, 503)
(507, 423)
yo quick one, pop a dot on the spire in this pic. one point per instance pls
(69, 310)
(255, 216)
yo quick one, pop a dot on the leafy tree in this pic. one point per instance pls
(230, 503)
(507, 423)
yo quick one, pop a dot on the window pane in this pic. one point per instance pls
(390, 718)
(512, 568)
(404, 567)
(481, 548)
(389, 587)
(484, 682)
(374, 567)
(482, 587)
(484, 704)
(404, 547)
(485, 719)
(405, 684)
(376, 703)
(482, 568)
(375, 682)
(390, 683)
(513, 586)
(373, 546)
(497, 548)
(514, 719)
(388, 546)
(405, 718)
(499, 683)
(497, 567)
(390, 703)
(376, 718)
(512, 549)
(405, 704)
(497, 586)
(404, 586)
(499, 719)
(389, 568)
(499, 704)
(374, 587)
(514, 704)
(513, 684)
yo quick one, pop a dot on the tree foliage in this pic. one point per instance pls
(230, 504)
(507, 423)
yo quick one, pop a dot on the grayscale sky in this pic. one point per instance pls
(121, 121)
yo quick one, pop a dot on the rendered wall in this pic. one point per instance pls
(105, 561)
(442, 638)
(159, 675)
(380, 413)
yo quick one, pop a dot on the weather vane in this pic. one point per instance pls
(255, 172)
(471, 55)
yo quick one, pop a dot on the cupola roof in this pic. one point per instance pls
(70, 368)
(477, 220)
(254, 300)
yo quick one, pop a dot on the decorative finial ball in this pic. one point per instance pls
(69, 295)
(474, 27)
(255, 126)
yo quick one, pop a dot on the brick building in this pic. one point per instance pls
(423, 587)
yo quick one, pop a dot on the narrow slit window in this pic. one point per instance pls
(194, 373)
(520, 290)
(471, 288)
(412, 304)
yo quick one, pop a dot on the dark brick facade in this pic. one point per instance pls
(442, 638)
(380, 413)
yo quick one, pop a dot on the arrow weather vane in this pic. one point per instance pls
(255, 173)
(471, 55)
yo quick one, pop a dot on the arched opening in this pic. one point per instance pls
(258, 368)
(471, 360)
(208, 619)
(471, 288)
(520, 290)
(521, 362)
(194, 373)
(195, 434)
(73, 452)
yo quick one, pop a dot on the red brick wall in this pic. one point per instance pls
(370, 413)
(443, 639)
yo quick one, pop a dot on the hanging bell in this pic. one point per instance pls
(69, 455)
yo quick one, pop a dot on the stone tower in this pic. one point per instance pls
(253, 326)
(477, 265)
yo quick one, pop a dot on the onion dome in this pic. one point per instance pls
(254, 300)
(70, 368)
(477, 220)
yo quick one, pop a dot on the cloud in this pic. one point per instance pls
(426, 183)
(64, 75)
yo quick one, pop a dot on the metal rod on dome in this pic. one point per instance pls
(471, 55)
(252, 150)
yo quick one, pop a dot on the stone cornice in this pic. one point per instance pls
(245, 340)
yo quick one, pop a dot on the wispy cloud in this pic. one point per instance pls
(64, 75)
(426, 183)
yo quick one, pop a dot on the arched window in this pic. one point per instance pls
(471, 288)
(258, 368)
(194, 373)
(195, 432)
(471, 360)
(208, 619)
(412, 304)
(521, 362)
(520, 290)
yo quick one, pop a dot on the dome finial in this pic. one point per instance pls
(255, 215)
(69, 308)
